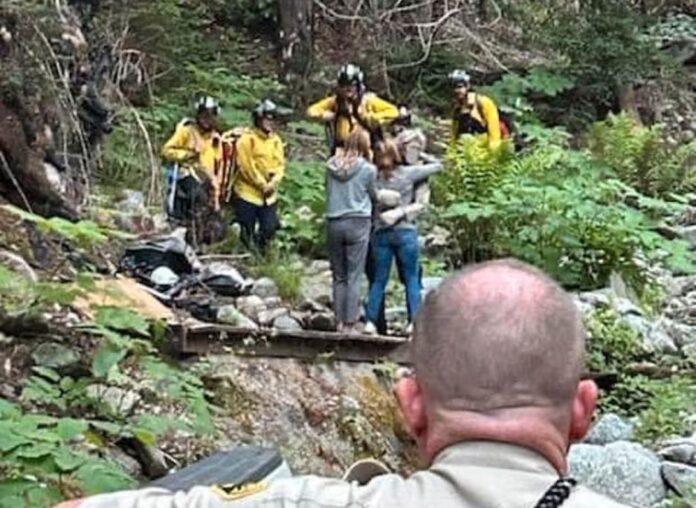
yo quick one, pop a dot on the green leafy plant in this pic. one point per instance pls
(611, 344)
(286, 273)
(642, 158)
(83, 233)
(41, 462)
(302, 204)
(557, 208)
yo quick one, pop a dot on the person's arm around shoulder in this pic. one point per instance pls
(492, 118)
(323, 110)
(419, 172)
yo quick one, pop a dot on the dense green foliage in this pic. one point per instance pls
(559, 209)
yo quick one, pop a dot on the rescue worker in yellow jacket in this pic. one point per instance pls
(474, 113)
(261, 167)
(352, 107)
(196, 148)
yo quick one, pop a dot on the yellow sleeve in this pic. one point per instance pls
(379, 111)
(178, 148)
(280, 157)
(317, 110)
(247, 165)
(490, 115)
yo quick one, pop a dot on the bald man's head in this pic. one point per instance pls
(499, 335)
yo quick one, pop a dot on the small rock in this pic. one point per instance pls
(625, 471)
(118, 401)
(657, 339)
(18, 265)
(267, 317)
(131, 202)
(127, 463)
(287, 324)
(55, 356)
(681, 478)
(251, 306)
(318, 287)
(396, 314)
(273, 302)
(688, 233)
(153, 460)
(638, 324)
(430, 283)
(609, 429)
(310, 305)
(319, 266)
(5, 340)
(682, 335)
(322, 321)
(264, 287)
(230, 315)
(625, 307)
(221, 268)
(301, 317)
(596, 298)
(680, 450)
(690, 352)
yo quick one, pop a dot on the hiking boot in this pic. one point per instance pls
(370, 328)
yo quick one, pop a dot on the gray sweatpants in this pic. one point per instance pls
(348, 240)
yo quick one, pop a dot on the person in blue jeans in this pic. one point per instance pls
(395, 233)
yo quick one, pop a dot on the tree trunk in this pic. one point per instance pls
(627, 101)
(295, 36)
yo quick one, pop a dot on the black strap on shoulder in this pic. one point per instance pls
(557, 494)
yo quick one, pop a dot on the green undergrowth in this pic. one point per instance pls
(660, 406)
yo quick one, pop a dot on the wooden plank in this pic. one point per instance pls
(203, 338)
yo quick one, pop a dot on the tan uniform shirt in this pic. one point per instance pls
(466, 475)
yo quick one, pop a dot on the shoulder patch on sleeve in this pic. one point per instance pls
(235, 491)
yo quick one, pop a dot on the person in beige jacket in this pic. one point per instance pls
(495, 400)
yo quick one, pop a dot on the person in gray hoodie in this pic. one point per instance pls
(350, 192)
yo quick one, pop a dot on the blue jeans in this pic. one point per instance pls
(387, 244)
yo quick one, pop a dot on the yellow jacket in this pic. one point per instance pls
(197, 152)
(260, 160)
(373, 111)
(483, 110)
(188, 145)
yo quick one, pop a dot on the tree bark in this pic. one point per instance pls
(296, 38)
(627, 101)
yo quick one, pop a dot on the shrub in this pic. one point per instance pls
(553, 207)
(642, 158)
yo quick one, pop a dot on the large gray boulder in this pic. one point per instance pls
(681, 478)
(609, 429)
(624, 471)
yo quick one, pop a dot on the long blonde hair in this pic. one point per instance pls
(357, 145)
(387, 156)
